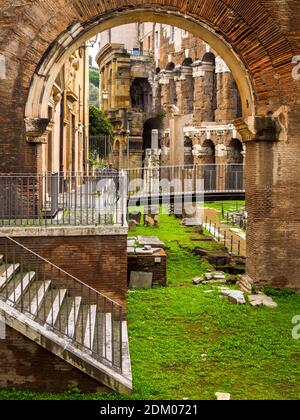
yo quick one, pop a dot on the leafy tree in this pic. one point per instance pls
(94, 77)
(99, 123)
(94, 95)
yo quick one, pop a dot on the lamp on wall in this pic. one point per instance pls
(92, 42)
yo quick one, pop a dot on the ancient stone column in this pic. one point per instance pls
(113, 83)
(168, 89)
(184, 89)
(203, 154)
(156, 94)
(204, 75)
(221, 168)
(105, 91)
(227, 95)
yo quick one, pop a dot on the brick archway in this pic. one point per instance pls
(258, 38)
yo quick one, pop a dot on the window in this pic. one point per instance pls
(172, 34)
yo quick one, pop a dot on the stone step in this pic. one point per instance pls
(7, 275)
(33, 299)
(53, 316)
(73, 316)
(21, 288)
(107, 334)
(83, 360)
(90, 328)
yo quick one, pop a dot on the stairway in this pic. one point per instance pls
(65, 316)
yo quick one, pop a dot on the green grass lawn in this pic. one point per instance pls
(186, 343)
(231, 205)
(226, 206)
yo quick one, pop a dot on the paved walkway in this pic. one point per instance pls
(234, 239)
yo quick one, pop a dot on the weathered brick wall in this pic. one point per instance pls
(273, 231)
(27, 366)
(98, 261)
(146, 263)
(194, 45)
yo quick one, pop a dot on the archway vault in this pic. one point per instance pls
(76, 34)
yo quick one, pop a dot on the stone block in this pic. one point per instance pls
(221, 396)
(198, 280)
(236, 297)
(152, 220)
(136, 216)
(262, 300)
(132, 226)
(141, 280)
(131, 243)
(152, 241)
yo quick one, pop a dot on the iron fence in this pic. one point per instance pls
(67, 199)
(203, 179)
(101, 198)
(100, 148)
(232, 242)
(61, 302)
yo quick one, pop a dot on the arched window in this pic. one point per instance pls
(141, 95)
(187, 62)
(170, 66)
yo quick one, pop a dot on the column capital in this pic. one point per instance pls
(259, 128)
(221, 66)
(200, 68)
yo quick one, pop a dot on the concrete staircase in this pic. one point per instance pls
(68, 318)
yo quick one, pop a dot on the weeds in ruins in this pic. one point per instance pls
(187, 343)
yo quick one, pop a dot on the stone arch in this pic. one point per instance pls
(235, 159)
(187, 62)
(208, 152)
(170, 66)
(188, 150)
(209, 57)
(235, 152)
(141, 94)
(153, 123)
(257, 42)
(77, 33)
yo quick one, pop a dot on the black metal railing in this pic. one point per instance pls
(67, 199)
(101, 198)
(100, 148)
(186, 179)
(61, 302)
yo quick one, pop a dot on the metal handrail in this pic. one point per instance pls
(69, 307)
(190, 166)
(60, 269)
(72, 199)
